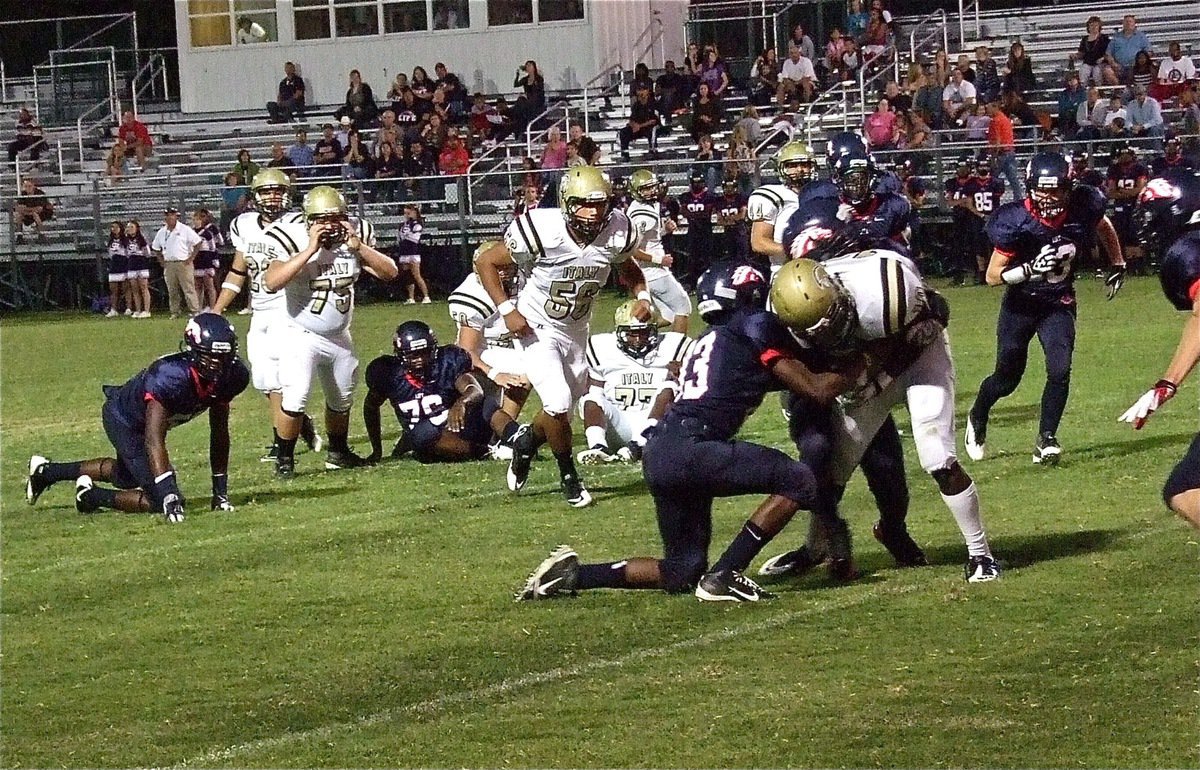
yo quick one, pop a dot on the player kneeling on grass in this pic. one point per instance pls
(206, 374)
(1169, 226)
(439, 403)
(633, 374)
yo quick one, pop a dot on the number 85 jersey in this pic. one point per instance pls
(563, 278)
(633, 383)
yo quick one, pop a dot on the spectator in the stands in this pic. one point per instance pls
(360, 104)
(531, 177)
(357, 159)
(136, 137)
(327, 151)
(407, 120)
(417, 167)
(927, 98)
(342, 130)
(968, 72)
(250, 31)
(643, 123)
(589, 151)
(114, 161)
(1176, 73)
(796, 77)
(397, 89)
(1142, 74)
(641, 79)
(743, 161)
(1189, 102)
(573, 158)
(439, 105)
(280, 159)
(899, 101)
(987, 78)
(1115, 131)
(434, 133)
(301, 154)
(877, 37)
(289, 98)
(764, 80)
(422, 88)
(856, 20)
(852, 61)
(502, 122)
(941, 68)
(912, 133)
(749, 125)
(706, 113)
(714, 73)
(1069, 99)
(691, 66)
(1018, 71)
(235, 199)
(671, 92)
(707, 160)
(977, 123)
(478, 122)
(1124, 46)
(1144, 114)
(532, 101)
(29, 137)
(387, 172)
(1001, 146)
(958, 98)
(801, 40)
(245, 167)
(1115, 109)
(452, 89)
(880, 127)
(1089, 115)
(1089, 58)
(454, 158)
(31, 208)
(834, 48)
(1023, 117)
(554, 153)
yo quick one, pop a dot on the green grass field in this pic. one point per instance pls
(365, 618)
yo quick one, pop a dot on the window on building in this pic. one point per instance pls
(406, 16)
(255, 21)
(223, 22)
(209, 23)
(451, 14)
(502, 12)
(355, 19)
(560, 10)
(312, 19)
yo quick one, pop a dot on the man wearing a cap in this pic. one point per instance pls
(176, 245)
(1144, 114)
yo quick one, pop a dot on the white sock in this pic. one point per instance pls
(596, 436)
(965, 507)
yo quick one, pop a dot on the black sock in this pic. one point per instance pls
(62, 472)
(507, 434)
(307, 431)
(749, 541)
(566, 464)
(275, 438)
(337, 442)
(105, 498)
(285, 447)
(607, 575)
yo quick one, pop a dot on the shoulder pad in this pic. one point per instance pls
(1008, 224)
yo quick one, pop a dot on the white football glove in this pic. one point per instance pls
(1150, 401)
(1048, 260)
(173, 509)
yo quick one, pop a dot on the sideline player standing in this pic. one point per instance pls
(318, 279)
(567, 254)
(1035, 242)
(137, 415)
(653, 225)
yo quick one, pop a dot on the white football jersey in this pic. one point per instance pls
(246, 234)
(634, 383)
(563, 278)
(470, 306)
(321, 297)
(773, 204)
(646, 219)
(888, 291)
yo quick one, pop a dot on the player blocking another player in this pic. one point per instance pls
(271, 189)
(1168, 217)
(173, 390)
(439, 403)
(633, 372)
(653, 224)
(567, 255)
(317, 271)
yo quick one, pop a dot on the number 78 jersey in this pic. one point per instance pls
(563, 278)
(634, 383)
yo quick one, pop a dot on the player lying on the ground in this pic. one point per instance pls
(1168, 216)
(496, 353)
(633, 372)
(174, 389)
(692, 457)
(439, 403)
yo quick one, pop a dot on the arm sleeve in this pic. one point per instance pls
(381, 374)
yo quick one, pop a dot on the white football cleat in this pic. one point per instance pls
(974, 443)
(597, 455)
(36, 483)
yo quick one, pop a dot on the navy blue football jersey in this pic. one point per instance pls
(729, 207)
(988, 194)
(1020, 235)
(420, 399)
(958, 189)
(172, 382)
(820, 189)
(882, 224)
(698, 209)
(727, 372)
(1126, 177)
(1160, 165)
(1180, 271)
(889, 182)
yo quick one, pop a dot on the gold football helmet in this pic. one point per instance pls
(636, 338)
(272, 190)
(585, 198)
(796, 164)
(813, 304)
(325, 204)
(645, 185)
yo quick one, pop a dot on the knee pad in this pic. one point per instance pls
(680, 575)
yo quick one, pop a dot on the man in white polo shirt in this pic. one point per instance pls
(796, 76)
(176, 245)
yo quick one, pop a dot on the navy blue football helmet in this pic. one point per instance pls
(729, 286)
(844, 142)
(1048, 182)
(854, 174)
(1167, 206)
(211, 345)
(416, 346)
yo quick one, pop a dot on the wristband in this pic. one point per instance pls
(1168, 386)
(233, 287)
(220, 485)
(506, 307)
(1018, 274)
(645, 295)
(656, 259)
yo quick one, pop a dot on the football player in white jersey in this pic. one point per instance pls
(482, 333)
(271, 189)
(770, 206)
(646, 215)
(633, 371)
(316, 263)
(566, 254)
(876, 301)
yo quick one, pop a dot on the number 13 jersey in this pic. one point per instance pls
(563, 278)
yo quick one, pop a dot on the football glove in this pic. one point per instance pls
(1115, 280)
(1048, 260)
(173, 509)
(1150, 401)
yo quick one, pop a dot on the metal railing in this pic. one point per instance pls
(938, 15)
(110, 72)
(968, 7)
(564, 120)
(109, 116)
(863, 80)
(153, 68)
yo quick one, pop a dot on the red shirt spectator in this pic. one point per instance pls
(454, 158)
(1000, 131)
(136, 137)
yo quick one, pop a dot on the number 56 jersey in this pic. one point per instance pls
(321, 297)
(633, 383)
(563, 278)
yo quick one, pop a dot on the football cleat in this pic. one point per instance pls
(285, 467)
(336, 461)
(500, 451)
(523, 449)
(981, 569)
(573, 490)
(1047, 450)
(595, 456)
(795, 563)
(974, 439)
(83, 501)
(901, 546)
(36, 484)
(270, 455)
(555, 576)
(729, 585)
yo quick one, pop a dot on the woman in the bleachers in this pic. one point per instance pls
(245, 167)
(1142, 73)
(395, 93)
(1018, 71)
(706, 113)
(387, 172)
(360, 104)
(357, 160)
(532, 101)
(1089, 57)
(708, 162)
(857, 20)
(714, 74)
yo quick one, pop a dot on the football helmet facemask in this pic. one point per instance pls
(645, 186)
(416, 346)
(813, 304)
(211, 345)
(1167, 205)
(854, 175)
(272, 190)
(635, 338)
(585, 198)
(728, 286)
(325, 204)
(796, 164)
(1048, 180)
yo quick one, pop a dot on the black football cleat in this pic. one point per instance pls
(285, 467)
(83, 497)
(523, 450)
(1047, 450)
(729, 585)
(981, 569)
(790, 564)
(575, 493)
(336, 461)
(36, 483)
(555, 576)
(901, 546)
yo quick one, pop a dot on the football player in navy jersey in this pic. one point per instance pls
(967, 219)
(205, 375)
(1168, 216)
(1172, 158)
(745, 353)
(439, 403)
(1035, 242)
(731, 215)
(1123, 184)
(989, 190)
(697, 205)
